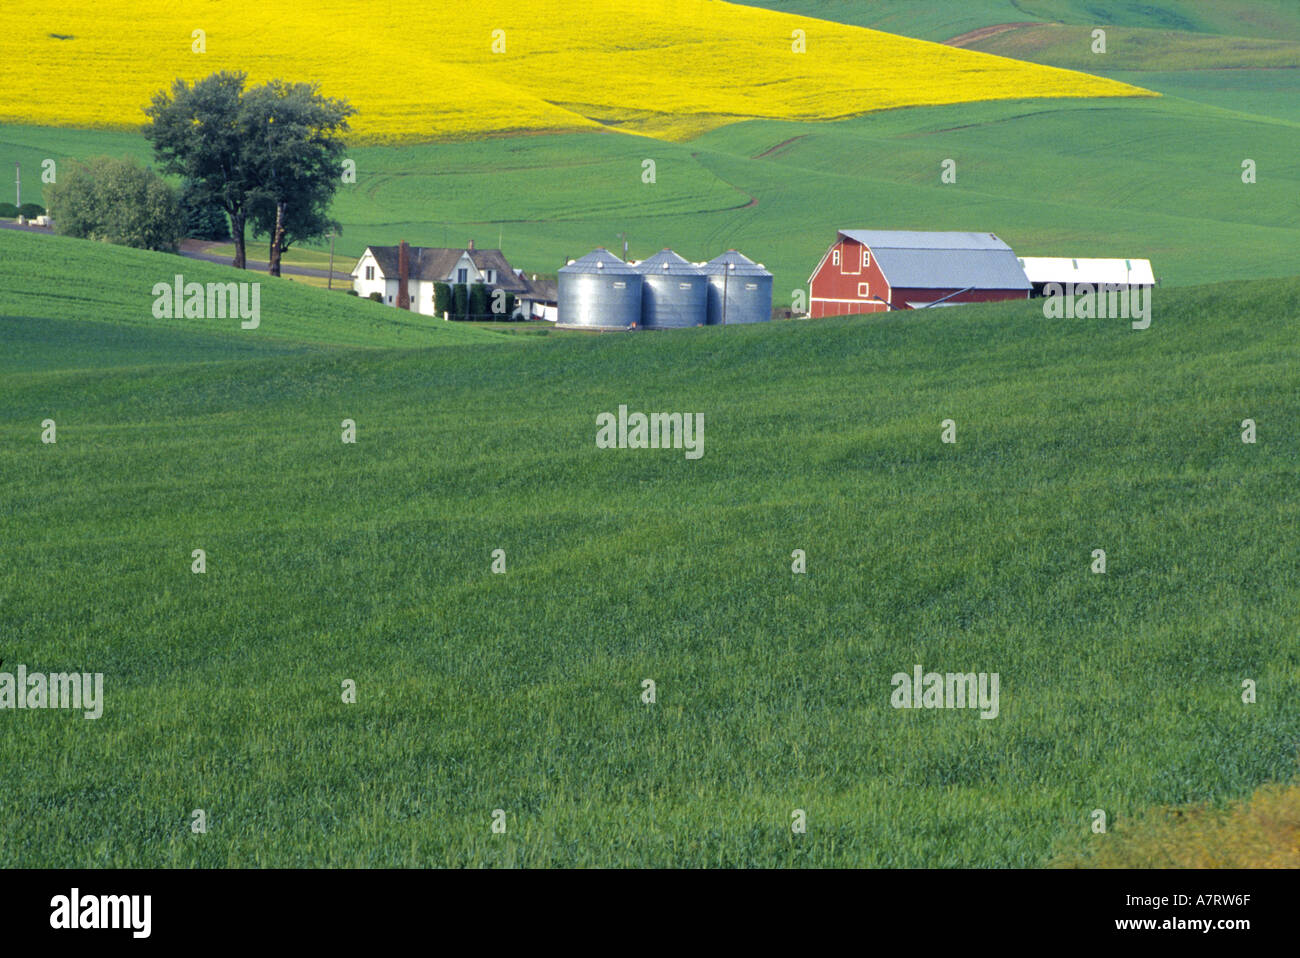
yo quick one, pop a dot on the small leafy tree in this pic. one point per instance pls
(459, 301)
(116, 201)
(31, 210)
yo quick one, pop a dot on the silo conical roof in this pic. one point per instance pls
(599, 261)
(743, 265)
(668, 263)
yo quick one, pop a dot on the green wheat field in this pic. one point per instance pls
(522, 692)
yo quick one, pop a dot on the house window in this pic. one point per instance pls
(491, 276)
(751, 286)
(866, 257)
(620, 285)
(835, 258)
(462, 276)
(864, 290)
(370, 272)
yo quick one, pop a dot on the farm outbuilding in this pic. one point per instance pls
(869, 271)
(674, 292)
(1041, 271)
(740, 290)
(599, 291)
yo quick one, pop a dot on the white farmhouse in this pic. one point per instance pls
(405, 276)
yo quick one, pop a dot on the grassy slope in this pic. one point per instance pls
(1264, 93)
(1130, 48)
(477, 692)
(111, 292)
(1248, 75)
(1176, 47)
(1273, 19)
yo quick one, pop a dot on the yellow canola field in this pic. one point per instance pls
(431, 69)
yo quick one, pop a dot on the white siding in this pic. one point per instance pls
(364, 287)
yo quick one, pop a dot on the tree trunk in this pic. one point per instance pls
(237, 234)
(277, 238)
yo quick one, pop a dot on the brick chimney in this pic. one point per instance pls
(403, 276)
(471, 246)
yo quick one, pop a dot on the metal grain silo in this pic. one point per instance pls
(598, 291)
(674, 293)
(740, 290)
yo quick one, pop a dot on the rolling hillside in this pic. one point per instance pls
(1269, 19)
(112, 296)
(1138, 177)
(1086, 176)
(370, 562)
(1242, 55)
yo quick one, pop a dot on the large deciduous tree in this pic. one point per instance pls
(292, 137)
(195, 132)
(268, 155)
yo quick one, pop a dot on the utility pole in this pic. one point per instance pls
(623, 237)
(18, 182)
(329, 283)
(726, 276)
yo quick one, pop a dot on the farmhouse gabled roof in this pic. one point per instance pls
(436, 264)
(1063, 269)
(914, 259)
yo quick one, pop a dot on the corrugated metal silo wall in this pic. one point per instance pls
(674, 299)
(599, 300)
(749, 299)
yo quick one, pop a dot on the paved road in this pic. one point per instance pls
(200, 249)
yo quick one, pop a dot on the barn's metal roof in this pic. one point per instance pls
(951, 269)
(1063, 269)
(738, 264)
(912, 259)
(921, 239)
(599, 261)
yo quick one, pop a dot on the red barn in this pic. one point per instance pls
(868, 271)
